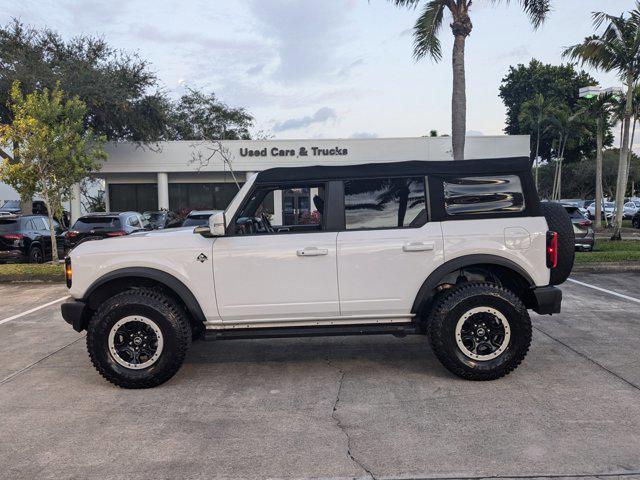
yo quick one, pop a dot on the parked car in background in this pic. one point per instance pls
(96, 226)
(578, 202)
(161, 219)
(631, 208)
(582, 228)
(198, 217)
(38, 207)
(608, 210)
(27, 238)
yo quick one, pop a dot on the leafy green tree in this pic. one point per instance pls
(200, 116)
(534, 115)
(115, 86)
(54, 147)
(617, 49)
(427, 44)
(560, 85)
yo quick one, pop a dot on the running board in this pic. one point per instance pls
(399, 330)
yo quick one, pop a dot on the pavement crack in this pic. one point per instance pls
(31, 365)
(589, 359)
(343, 429)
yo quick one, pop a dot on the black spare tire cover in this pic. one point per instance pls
(558, 221)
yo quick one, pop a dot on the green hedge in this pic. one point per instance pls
(608, 251)
(31, 272)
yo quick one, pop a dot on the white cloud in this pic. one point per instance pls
(321, 116)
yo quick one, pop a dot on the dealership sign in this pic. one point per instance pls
(293, 152)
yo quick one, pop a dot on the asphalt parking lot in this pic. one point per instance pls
(351, 407)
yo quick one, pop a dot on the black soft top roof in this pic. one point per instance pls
(511, 165)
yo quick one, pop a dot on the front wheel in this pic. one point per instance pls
(138, 338)
(479, 331)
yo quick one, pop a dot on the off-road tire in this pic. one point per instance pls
(164, 312)
(453, 304)
(558, 221)
(36, 255)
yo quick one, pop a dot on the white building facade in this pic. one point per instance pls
(189, 175)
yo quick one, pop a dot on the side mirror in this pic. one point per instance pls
(216, 227)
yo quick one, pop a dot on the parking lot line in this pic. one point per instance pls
(620, 295)
(35, 309)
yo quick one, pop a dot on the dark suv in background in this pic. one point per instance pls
(27, 238)
(96, 226)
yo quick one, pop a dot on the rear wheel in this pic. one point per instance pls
(479, 331)
(138, 338)
(36, 255)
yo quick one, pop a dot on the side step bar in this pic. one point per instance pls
(399, 330)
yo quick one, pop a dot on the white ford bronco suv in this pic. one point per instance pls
(456, 250)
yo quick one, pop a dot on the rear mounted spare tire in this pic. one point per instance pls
(558, 221)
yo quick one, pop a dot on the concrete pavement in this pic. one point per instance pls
(351, 407)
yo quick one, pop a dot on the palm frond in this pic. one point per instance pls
(425, 31)
(536, 10)
(406, 3)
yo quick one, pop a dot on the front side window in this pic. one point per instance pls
(385, 203)
(483, 195)
(286, 209)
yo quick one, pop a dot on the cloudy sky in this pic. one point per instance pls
(322, 69)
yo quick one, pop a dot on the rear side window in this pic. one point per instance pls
(480, 195)
(385, 203)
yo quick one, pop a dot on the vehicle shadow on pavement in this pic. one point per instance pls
(411, 354)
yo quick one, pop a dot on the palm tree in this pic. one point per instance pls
(426, 43)
(565, 125)
(602, 109)
(616, 49)
(534, 113)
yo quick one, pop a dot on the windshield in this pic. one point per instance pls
(235, 203)
(196, 220)
(152, 216)
(10, 204)
(84, 224)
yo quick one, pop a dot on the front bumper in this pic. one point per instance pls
(546, 300)
(75, 313)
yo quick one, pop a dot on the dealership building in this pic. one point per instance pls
(187, 175)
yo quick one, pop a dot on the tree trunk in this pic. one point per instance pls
(622, 164)
(458, 99)
(537, 162)
(52, 231)
(599, 142)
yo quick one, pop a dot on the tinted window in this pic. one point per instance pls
(8, 225)
(41, 224)
(84, 224)
(482, 195)
(574, 213)
(384, 203)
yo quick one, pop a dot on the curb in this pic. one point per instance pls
(18, 280)
(607, 267)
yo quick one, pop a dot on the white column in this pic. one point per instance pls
(277, 207)
(312, 193)
(75, 203)
(107, 205)
(163, 191)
